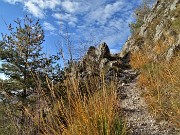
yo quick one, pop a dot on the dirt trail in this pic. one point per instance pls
(139, 120)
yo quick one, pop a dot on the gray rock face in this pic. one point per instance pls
(127, 47)
(172, 51)
(150, 17)
(155, 29)
(174, 4)
(91, 51)
(143, 31)
(97, 59)
(104, 51)
(103, 63)
(159, 31)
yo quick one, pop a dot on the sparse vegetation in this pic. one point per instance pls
(176, 25)
(75, 113)
(160, 80)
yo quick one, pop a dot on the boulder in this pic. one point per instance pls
(104, 51)
(159, 31)
(174, 4)
(172, 52)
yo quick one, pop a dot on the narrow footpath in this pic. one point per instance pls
(138, 119)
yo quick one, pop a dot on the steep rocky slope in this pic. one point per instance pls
(162, 24)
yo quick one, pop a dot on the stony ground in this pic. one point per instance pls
(139, 120)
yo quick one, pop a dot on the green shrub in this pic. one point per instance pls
(176, 25)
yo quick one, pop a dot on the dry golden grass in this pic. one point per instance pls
(92, 113)
(160, 47)
(139, 59)
(162, 82)
(74, 107)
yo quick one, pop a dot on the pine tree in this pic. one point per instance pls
(24, 63)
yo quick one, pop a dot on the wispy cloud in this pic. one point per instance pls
(70, 6)
(34, 9)
(48, 26)
(37, 7)
(65, 17)
(103, 13)
(108, 20)
(13, 1)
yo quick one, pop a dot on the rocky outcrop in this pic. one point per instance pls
(161, 24)
(98, 59)
(104, 51)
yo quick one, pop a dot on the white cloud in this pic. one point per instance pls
(34, 9)
(37, 7)
(72, 24)
(70, 6)
(108, 20)
(45, 4)
(69, 18)
(13, 1)
(48, 26)
(102, 14)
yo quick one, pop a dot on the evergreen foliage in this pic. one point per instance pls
(23, 58)
(26, 66)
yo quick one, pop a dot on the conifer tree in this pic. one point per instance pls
(23, 58)
(24, 63)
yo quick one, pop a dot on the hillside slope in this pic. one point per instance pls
(160, 27)
(154, 52)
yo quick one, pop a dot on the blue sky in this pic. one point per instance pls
(88, 22)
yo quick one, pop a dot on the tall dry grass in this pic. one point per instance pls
(93, 113)
(161, 82)
(75, 107)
